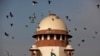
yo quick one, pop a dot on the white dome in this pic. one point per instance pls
(69, 47)
(34, 47)
(52, 21)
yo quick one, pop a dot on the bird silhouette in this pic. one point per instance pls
(32, 18)
(11, 15)
(7, 16)
(69, 30)
(83, 40)
(34, 2)
(6, 34)
(75, 29)
(11, 24)
(26, 25)
(49, 2)
(13, 37)
(98, 5)
(96, 32)
(69, 19)
(66, 17)
(85, 28)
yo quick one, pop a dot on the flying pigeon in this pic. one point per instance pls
(49, 2)
(34, 16)
(11, 15)
(11, 24)
(34, 2)
(32, 21)
(98, 5)
(69, 19)
(85, 28)
(7, 16)
(66, 17)
(83, 40)
(26, 25)
(96, 32)
(75, 29)
(6, 34)
(69, 30)
(30, 17)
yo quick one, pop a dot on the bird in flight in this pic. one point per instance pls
(11, 24)
(26, 25)
(85, 28)
(11, 15)
(69, 30)
(34, 2)
(69, 19)
(96, 32)
(83, 40)
(98, 5)
(66, 17)
(7, 16)
(75, 29)
(32, 18)
(49, 2)
(32, 21)
(6, 34)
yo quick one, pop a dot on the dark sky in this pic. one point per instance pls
(83, 13)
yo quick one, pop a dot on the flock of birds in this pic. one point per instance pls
(31, 18)
(75, 29)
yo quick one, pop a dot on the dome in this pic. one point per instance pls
(52, 22)
(34, 47)
(69, 47)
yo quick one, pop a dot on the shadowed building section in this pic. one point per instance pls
(51, 38)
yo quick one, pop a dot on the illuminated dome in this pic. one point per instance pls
(69, 47)
(34, 47)
(52, 22)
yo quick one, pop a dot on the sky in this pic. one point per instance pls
(83, 13)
